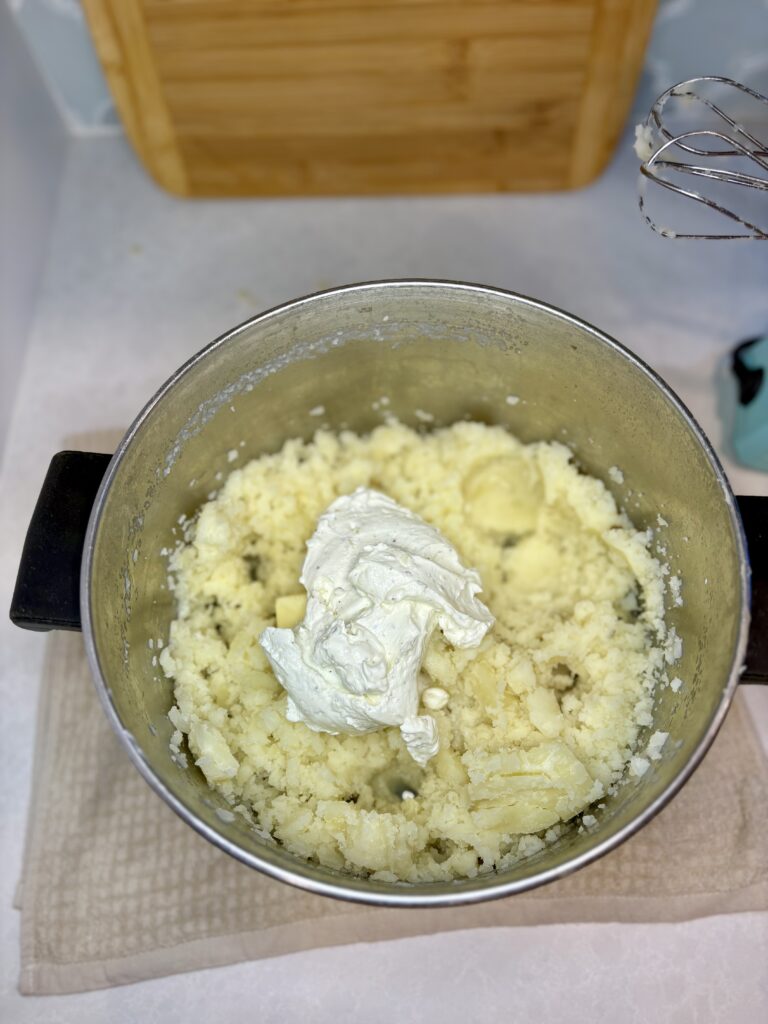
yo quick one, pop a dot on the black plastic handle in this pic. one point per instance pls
(47, 594)
(754, 516)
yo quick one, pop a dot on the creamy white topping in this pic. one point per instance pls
(435, 698)
(645, 143)
(379, 581)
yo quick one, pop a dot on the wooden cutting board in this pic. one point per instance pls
(311, 97)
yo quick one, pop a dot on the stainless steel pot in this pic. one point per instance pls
(455, 350)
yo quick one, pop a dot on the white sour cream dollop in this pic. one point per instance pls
(379, 581)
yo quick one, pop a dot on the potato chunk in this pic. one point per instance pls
(523, 791)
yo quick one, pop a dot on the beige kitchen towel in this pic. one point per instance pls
(117, 889)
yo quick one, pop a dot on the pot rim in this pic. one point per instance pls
(400, 896)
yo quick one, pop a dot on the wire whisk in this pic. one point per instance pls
(735, 156)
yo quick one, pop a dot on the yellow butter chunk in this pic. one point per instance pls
(504, 494)
(290, 610)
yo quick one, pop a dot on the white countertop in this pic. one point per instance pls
(136, 282)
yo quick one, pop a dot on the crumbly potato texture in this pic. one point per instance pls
(543, 716)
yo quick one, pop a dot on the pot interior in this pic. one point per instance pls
(455, 352)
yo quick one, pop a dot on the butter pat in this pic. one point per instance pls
(504, 495)
(289, 611)
(379, 581)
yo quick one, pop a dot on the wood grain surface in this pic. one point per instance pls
(313, 97)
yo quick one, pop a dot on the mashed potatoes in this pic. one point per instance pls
(542, 718)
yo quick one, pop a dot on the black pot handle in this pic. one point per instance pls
(47, 593)
(754, 516)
